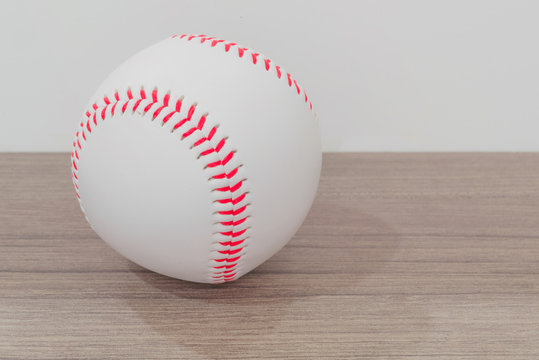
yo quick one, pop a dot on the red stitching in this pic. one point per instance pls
(234, 223)
(278, 70)
(228, 176)
(165, 104)
(142, 97)
(233, 201)
(227, 46)
(154, 100)
(228, 158)
(176, 110)
(230, 252)
(233, 212)
(215, 42)
(231, 244)
(228, 260)
(267, 64)
(297, 87)
(117, 97)
(225, 266)
(212, 132)
(232, 232)
(199, 142)
(241, 51)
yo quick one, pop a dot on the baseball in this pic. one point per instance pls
(197, 158)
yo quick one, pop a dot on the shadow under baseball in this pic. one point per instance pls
(324, 259)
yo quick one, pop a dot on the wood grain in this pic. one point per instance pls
(403, 256)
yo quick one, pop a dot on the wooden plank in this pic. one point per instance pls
(404, 256)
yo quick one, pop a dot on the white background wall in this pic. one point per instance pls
(383, 75)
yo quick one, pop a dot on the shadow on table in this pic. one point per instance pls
(336, 248)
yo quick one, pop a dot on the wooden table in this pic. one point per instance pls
(403, 256)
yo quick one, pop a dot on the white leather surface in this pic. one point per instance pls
(145, 192)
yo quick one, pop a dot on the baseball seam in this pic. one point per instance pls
(254, 57)
(232, 200)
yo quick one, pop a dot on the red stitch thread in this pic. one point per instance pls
(154, 100)
(229, 260)
(227, 46)
(234, 223)
(234, 234)
(241, 52)
(201, 122)
(233, 212)
(267, 64)
(165, 104)
(230, 252)
(214, 164)
(207, 152)
(212, 132)
(225, 266)
(220, 145)
(231, 244)
(199, 142)
(233, 201)
(177, 109)
(236, 187)
(228, 158)
(215, 42)
(297, 86)
(117, 97)
(228, 176)
(278, 70)
(142, 97)
(188, 132)
(187, 118)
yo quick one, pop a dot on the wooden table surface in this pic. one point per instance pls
(403, 256)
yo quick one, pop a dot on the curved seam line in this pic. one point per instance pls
(230, 257)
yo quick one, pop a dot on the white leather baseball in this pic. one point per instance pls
(197, 158)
